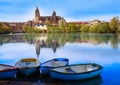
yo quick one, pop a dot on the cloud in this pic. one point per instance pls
(104, 17)
(17, 17)
(69, 9)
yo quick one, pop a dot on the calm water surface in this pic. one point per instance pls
(103, 49)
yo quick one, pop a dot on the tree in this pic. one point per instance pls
(104, 28)
(48, 25)
(47, 22)
(25, 28)
(62, 25)
(119, 27)
(84, 28)
(1, 29)
(114, 24)
(72, 27)
(94, 28)
(5, 28)
(100, 28)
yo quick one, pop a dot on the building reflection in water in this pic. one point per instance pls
(40, 42)
(54, 45)
(38, 46)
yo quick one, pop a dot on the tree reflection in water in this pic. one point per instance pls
(54, 39)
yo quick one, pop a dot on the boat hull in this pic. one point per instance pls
(27, 71)
(7, 74)
(7, 71)
(27, 66)
(75, 76)
(46, 69)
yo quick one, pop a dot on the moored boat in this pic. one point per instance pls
(50, 64)
(7, 71)
(76, 72)
(27, 66)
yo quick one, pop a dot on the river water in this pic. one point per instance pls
(103, 49)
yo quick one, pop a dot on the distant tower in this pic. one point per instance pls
(54, 13)
(37, 15)
(54, 16)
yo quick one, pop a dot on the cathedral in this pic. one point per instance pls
(42, 19)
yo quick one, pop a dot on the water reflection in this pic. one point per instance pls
(38, 46)
(81, 46)
(92, 81)
(38, 81)
(46, 39)
(54, 45)
(103, 49)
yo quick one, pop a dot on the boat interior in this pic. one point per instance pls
(29, 60)
(21, 64)
(54, 63)
(76, 69)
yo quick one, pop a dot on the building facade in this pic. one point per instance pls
(42, 19)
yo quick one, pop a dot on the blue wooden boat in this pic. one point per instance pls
(76, 72)
(27, 66)
(7, 71)
(53, 63)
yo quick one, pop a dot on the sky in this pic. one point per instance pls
(71, 10)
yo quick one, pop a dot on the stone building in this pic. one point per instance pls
(93, 22)
(42, 19)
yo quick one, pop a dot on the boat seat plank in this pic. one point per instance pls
(69, 70)
(84, 68)
(29, 60)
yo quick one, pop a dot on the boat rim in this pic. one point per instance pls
(41, 65)
(99, 68)
(27, 67)
(8, 69)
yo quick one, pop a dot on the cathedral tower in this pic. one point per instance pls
(54, 13)
(54, 16)
(37, 15)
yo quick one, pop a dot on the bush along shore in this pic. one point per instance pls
(113, 26)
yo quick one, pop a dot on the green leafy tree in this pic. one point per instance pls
(67, 30)
(114, 24)
(72, 27)
(84, 28)
(47, 22)
(48, 25)
(5, 28)
(1, 29)
(25, 28)
(94, 28)
(119, 27)
(104, 28)
(62, 25)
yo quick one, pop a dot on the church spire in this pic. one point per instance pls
(37, 8)
(54, 13)
(37, 14)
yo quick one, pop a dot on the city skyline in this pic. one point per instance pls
(71, 10)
